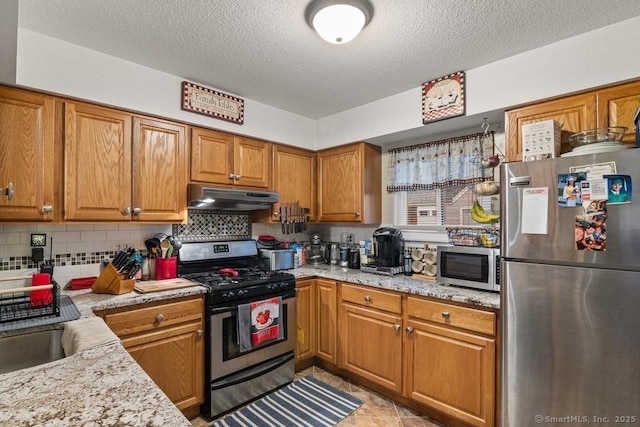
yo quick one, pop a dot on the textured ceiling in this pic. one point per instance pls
(264, 51)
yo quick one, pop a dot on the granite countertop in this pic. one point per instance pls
(402, 283)
(105, 386)
(100, 386)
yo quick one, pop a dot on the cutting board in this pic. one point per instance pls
(163, 285)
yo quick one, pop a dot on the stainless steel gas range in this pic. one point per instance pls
(250, 322)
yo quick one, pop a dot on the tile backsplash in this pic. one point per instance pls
(77, 249)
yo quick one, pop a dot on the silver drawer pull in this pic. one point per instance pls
(159, 318)
(445, 314)
(367, 298)
(396, 327)
(409, 329)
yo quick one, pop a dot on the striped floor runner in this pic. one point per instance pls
(307, 402)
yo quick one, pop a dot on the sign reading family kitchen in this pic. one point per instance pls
(212, 103)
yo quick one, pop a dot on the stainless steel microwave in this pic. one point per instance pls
(469, 266)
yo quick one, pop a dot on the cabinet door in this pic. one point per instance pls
(211, 156)
(174, 362)
(97, 163)
(159, 171)
(340, 184)
(294, 177)
(252, 162)
(617, 106)
(451, 371)
(26, 155)
(575, 113)
(327, 300)
(305, 329)
(371, 345)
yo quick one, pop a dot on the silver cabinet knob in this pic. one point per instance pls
(232, 176)
(276, 214)
(47, 209)
(200, 332)
(159, 318)
(396, 327)
(445, 314)
(8, 191)
(367, 298)
(409, 330)
(136, 211)
(357, 214)
(238, 177)
(126, 210)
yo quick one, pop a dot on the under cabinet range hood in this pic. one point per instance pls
(203, 197)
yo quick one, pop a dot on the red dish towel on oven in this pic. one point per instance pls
(263, 325)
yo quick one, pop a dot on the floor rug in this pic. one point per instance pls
(306, 402)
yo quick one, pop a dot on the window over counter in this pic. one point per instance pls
(448, 206)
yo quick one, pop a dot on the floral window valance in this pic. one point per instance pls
(438, 164)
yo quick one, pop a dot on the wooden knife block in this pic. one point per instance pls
(110, 282)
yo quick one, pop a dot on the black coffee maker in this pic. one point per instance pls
(388, 247)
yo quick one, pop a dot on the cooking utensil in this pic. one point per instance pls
(164, 247)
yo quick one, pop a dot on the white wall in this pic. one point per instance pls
(593, 59)
(8, 40)
(63, 68)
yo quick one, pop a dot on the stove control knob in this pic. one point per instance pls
(229, 295)
(242, 292)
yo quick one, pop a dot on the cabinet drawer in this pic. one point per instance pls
(480, 321)
(372, 298)
(154, 317)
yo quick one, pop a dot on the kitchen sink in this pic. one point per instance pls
(27, 350)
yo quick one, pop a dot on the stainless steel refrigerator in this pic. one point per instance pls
(570, 312)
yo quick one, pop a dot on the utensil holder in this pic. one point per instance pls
(111, 282)
(166, 268)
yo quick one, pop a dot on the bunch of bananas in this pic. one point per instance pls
(478, 214)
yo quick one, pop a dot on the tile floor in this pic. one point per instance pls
(377, 410)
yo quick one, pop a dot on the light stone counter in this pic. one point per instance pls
(402, 283)
(103, 386)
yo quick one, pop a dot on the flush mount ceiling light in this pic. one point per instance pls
(338, 21)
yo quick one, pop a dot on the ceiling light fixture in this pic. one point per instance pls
(338, 21)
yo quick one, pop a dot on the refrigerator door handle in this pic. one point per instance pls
(519, 181)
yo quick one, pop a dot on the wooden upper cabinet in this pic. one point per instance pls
(575, 113)
(112, 174)
(349, 184)
(294, 178)
(251, 162)
(159, 171)
(221, 158)
(211, 156)
(97, 163)
(617, 106)
(26, 155)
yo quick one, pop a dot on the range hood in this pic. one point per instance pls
(203, 197)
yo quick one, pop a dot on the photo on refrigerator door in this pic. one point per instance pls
(591, 231)
(619, 188)
(569, 194)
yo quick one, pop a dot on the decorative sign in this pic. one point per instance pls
(212, 103)
(443, 98)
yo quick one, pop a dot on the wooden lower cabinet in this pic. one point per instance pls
(327, 306)
(167, 341)
(450, 360)
(371, 344)
(306, 323)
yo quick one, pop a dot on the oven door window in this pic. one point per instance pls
(230, 340)
(472, 267)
